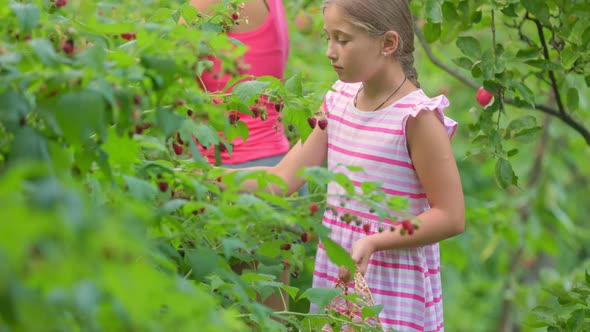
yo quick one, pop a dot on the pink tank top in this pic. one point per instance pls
(268, 48)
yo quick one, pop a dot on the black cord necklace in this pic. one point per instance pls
(383, 103)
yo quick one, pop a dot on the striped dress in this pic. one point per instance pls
(406, 282)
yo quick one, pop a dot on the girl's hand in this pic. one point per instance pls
(361, 252)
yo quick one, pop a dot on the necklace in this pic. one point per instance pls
(383, 103)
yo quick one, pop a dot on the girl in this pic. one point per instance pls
(379, 119)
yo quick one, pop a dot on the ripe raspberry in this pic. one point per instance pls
(163, 186)
(61, 3)
(286, 263)
(128, 36)
(279, 106)
(312, 122)
(285, 246)
(178, 149)
(68, 47)
(408, 226)
(189, 112)
(255, 111)
(313, 208)
(323, 123)
(235, 16)
(366, 228)
(233, 117)
(304, 237)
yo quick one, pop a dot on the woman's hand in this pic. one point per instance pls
(361, 252)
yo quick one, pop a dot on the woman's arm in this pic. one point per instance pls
(437, 171)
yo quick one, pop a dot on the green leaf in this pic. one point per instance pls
(13, 108)
(165, 66)
(469, 46)
(93, 57)
(345, 182)
(518, 124)
(338, 255)
(28, 16)
(576, 320)
(587, 277)
(294, 86)
(239, 129)
(168, 121)
(292, 291)
(528, 135)
(544, 64)
(463, 62)
(46, 53)
(537, 8)
(80, 114)
(140, 189)
(29, 145)
(249, 90)
(433, 11)
(573, 99)
(171, 206)
(432, 31)
(505, 174)
(321, 296)
(371, 311)
(528, 53)
(161, 15)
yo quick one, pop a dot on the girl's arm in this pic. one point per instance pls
(311, 153)
(437, 171)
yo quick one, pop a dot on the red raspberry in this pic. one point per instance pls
(68, 47)
(285, 246)
(163, 186)
(408, 226)
(367, 228)
(235, 16)
(178, 149)
(323, 123)
(304, 237)
(61, 3)
(128, 36)
(313, 208)
(312, 122)
(286, 263)
(279, 106)
(234, 117)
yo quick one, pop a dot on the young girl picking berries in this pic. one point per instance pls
(379, 119)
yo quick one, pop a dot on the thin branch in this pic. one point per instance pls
(551, 72)
(565, 117)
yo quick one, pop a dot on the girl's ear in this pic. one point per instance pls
(390, 42)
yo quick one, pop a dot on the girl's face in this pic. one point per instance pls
(355, 56)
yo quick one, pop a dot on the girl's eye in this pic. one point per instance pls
(343, 42)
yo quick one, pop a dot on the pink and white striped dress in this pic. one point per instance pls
(406, 282)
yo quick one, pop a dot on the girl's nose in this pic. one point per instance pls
(330, 53)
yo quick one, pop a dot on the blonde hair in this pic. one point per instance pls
(377, 17)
